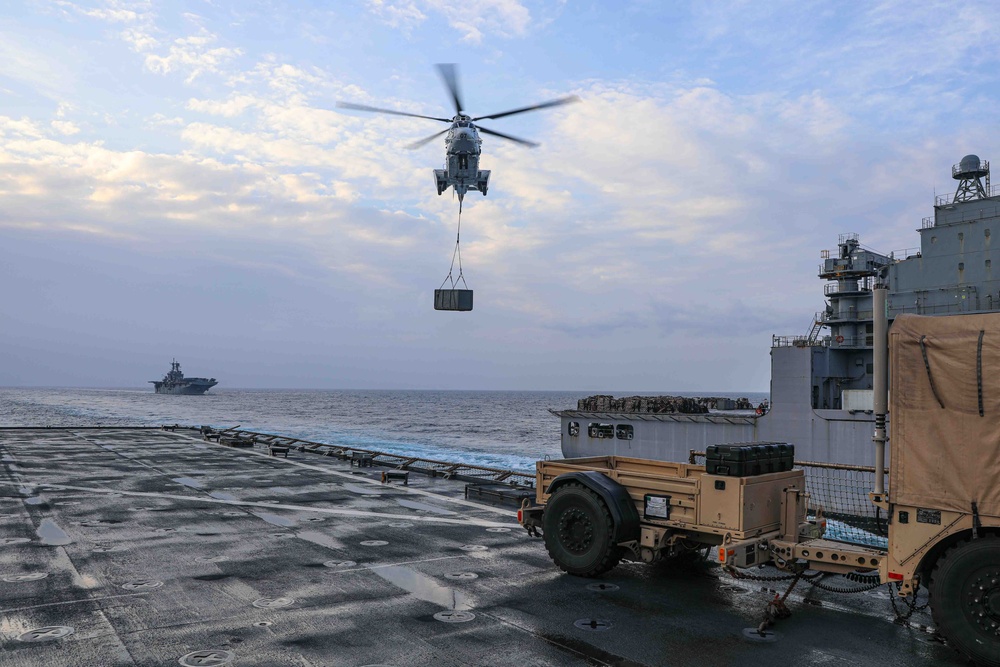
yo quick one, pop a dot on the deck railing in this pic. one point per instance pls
(432, 467)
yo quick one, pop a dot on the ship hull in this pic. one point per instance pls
(193, 389)
(831, 436)
(828, 436)
(175, 383)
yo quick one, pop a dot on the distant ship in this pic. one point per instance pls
(174, 382)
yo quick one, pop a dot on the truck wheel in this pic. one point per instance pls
(965, 598)
(578, 532)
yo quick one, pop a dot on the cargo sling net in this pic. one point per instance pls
(449, 279)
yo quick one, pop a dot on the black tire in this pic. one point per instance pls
(578, 532)
(965, 598)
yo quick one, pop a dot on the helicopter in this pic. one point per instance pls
(463, 146)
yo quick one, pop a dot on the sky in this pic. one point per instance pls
(176, 181)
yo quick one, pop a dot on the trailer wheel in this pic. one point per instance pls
(578, 532)
(965, 598)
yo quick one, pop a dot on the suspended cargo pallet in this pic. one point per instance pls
(452, 299)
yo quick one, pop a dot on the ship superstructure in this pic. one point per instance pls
(821, 382)
(174, 382)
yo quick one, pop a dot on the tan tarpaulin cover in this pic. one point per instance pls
(945, 457)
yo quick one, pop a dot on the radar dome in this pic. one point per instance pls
(969, 163)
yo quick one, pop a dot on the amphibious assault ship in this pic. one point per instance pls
(821, 382)
(174, 382)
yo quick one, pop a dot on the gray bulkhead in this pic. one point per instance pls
(818, 435)
(954, 272)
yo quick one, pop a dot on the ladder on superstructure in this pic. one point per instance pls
(817, 326)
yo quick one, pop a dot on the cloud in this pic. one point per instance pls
(656, 207)
(87, 186)
(870, 57)
(503, 18)
(634, 192)
(140, 40)
(65, 127)
(21, 60)
(193, 54)
(234, 106)
(112, 15)
(399, 14)
(111, 11)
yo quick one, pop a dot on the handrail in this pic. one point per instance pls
(899, 255)
(798, 341)
(837, 288)
(386, 459)
(944, 200)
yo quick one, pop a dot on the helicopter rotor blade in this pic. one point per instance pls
(424, 142)
(543, 105)
(450, 76)
(365, 107)
(525, 142)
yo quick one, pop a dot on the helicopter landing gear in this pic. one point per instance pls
(440, 180)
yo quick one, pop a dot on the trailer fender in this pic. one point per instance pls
(615, 496)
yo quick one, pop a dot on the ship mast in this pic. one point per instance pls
(970, 173)
(853, 274)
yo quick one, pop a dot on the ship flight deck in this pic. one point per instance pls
(148, 547)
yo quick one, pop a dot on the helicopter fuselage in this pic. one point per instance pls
(463, 146)
(462, 143)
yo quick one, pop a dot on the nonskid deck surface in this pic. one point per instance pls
(152, 546)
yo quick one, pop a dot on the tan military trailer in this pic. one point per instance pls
(943, 498)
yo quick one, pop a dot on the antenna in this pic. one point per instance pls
(969, 174)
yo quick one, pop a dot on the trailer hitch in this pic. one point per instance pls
(530, 516)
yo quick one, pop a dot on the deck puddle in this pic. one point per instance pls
(222, 496)
(414, 505)
(320, 539)
(354, 488)
(52, 535)
(275, 520)
(423, 587)
(188, 481)
(34, 500)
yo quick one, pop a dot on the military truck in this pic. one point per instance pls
(943, 499)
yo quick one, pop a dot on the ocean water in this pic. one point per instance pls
(505, 429)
